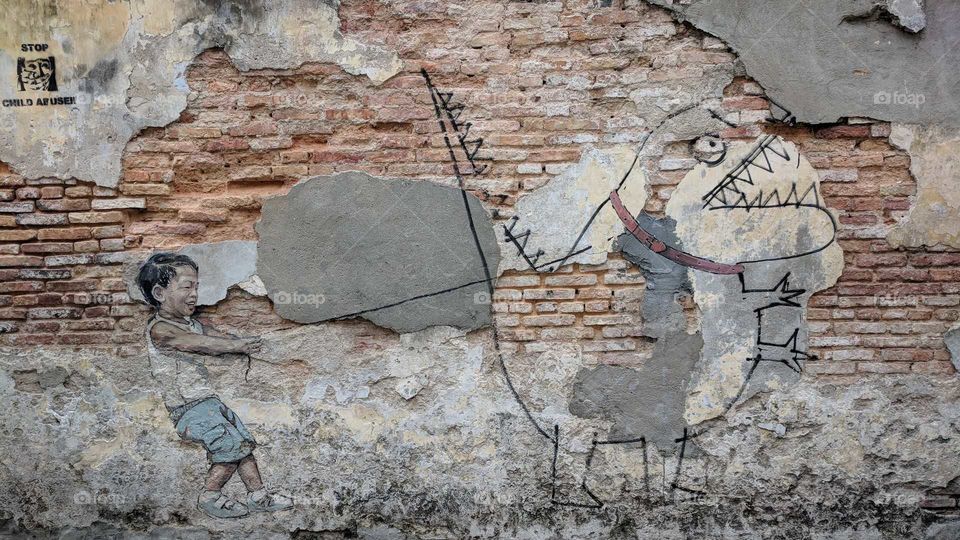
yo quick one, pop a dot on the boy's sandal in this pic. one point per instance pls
(271, 502)
(222, 507)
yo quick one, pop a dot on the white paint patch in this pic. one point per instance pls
(556, 213)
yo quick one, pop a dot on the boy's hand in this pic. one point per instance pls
(210, 342)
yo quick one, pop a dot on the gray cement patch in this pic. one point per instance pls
(952, 339)
(647, 401)
(666, 280)
(824, 60)
(399, 253)
(644, 402)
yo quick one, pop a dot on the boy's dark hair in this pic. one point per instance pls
(159, 269)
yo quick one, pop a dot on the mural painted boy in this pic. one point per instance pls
(169, 283)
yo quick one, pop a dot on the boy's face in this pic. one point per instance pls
(179, 297)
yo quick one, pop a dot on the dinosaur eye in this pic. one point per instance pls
(709, 149)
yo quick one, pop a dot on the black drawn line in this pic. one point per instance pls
(786, 298)
(723, 152)
(787, 117)
(683, 447)
(553, 468)
(746, 381)
(597, 503)
(444, 107)
(521, 247)
(404, 301)
(720, 117)
(793, 199)
(741, 172)
(818, 249)
(438, 97)
(643, 446)
(573, 251)
(728, 183)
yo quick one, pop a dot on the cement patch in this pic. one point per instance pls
(647, 401)
(824, 60)
(399, 253)
(666, 280)
(952, 339)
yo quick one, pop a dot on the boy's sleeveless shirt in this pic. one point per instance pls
(183, 377)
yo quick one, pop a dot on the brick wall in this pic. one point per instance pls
(540, 81)
(60, 273)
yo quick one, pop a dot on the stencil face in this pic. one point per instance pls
(37, 74)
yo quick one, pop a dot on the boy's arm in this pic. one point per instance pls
(211, 331)
(169, 336)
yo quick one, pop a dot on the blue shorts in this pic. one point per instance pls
(217, 428)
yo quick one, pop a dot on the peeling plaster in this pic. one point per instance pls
(99, 453)
(129, 73)
(908, 14)
(222, 265)
(555, 214)
(934, 216)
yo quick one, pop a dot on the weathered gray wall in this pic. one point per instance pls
(432, 412)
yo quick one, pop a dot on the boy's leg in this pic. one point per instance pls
(250, 473)
(212, 500)
(219, 474)
(205, 424)
(260, 500)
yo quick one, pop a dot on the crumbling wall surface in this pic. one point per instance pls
(118, 67)
(933, 218)
(454, 459)
(521, 269)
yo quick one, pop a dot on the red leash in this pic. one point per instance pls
(680, 257)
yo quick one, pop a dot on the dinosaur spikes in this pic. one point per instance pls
(449, 113)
